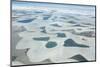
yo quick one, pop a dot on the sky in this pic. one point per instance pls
(30, 4)
(68, 7)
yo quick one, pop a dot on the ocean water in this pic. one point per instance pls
(52, 33)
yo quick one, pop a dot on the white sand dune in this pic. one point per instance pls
(57, 27)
